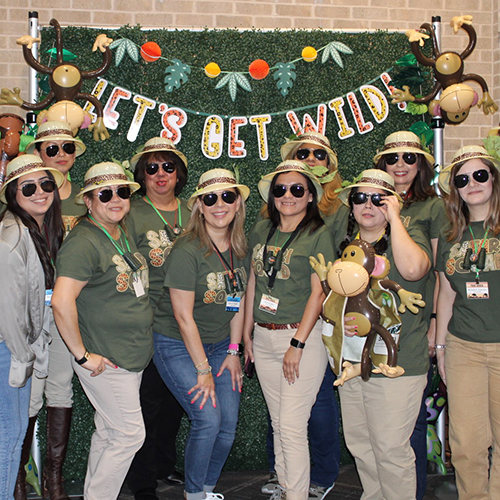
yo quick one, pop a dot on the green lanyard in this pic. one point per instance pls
(478, 258)
(177, 228)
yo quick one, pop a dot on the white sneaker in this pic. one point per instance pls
(279, 493)
(319, 492)
(214, 496)
(268, 488)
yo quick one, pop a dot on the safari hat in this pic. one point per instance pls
(157, 144)
(290, 147)
(24, 165)
(374, 178)
(104, 174)
(289, 166)
(464, 154)
(215, 180)
(56, 131)
(403, 142)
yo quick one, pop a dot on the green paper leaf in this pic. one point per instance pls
(67, 55)
(125, 46)
(407, 60)
(492, 145)
(416, 109)
(332, 50)
(285, 77)
(232, 80)
(423, 130)
(176, 75)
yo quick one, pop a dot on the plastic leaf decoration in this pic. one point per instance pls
(333, 49)
(492, 145)
(67, 55)
(285, 77)
(409, 75)
(423, 130)
(407, 60)
(416, 109)
(125, 46)
(176, 75)
(233, 80)
(128, 170)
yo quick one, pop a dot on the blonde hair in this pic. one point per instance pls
(196, 229)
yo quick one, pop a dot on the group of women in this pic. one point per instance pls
(180, 284)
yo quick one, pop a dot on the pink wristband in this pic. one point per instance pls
(234, 347)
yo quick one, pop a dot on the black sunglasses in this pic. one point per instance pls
(462, 180)
(168, 167)
(210, 199)
(297, 190)
(359, 198)
(408, 158)
(53, 150)
(106, 194)
(29, 189)
(302, 154)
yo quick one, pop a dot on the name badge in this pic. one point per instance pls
(269, 304)
(477, 290)
(233, 304)
(48, 297)
(138, 286)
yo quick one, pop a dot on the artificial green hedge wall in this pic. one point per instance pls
(232, 50)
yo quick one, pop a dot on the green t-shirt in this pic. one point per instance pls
(113, 321)
(292, 286)
(413, 352)
(154, 241)
(188, 269)
(473, 319)
(71, 211)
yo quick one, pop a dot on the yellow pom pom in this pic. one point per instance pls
(309, 54)
(212, 70)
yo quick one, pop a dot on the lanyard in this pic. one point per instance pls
(478, 258)
(272, 262)
(232, 279)
(177, 228)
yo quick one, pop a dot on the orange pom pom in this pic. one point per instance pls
(212, 70)
(309, 54)
(150, 51)
(259, 69)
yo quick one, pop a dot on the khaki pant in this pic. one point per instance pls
(473, 379)
(378, 418)
(290, 404)
(119, 432)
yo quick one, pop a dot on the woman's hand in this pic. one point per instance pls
(291, 362)
(97, 364)
(440, 355)
(205, 388)
(233, 364)
(390, 208)
(248, 343)
(350, 330)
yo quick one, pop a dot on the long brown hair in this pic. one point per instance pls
(196, 229)
(458, 211)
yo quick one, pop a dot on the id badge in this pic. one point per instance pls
(477, 290)
(48, 297)
(269, 304)
(233, 304)
(138, 286)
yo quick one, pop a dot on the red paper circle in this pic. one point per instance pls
(150, 51)
(259, 69)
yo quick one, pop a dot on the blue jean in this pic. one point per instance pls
(14, 413)
(212, 430)
(324, 439)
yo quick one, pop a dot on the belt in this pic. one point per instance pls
(274, 326)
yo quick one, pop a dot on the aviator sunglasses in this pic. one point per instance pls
(106, 194)
(408, 158)
(359, 198)
(227, 197)
(168, 167)
(462, 180)
(29, 189)
(68, 147)
(319, 154)
(297, 190)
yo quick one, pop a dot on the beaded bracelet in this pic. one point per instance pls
(233, 352)
(203, 362)
(206, 371)
(440, 346)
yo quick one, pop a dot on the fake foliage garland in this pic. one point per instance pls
(179, 79)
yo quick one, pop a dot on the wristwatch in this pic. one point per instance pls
(83, 360)
(297, 343)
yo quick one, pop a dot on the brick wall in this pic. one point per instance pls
(327, 14)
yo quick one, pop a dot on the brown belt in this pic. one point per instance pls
(274, 326)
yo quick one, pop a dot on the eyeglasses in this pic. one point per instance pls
(210, 199)
(168, 167)
(462, 180)
(29, 189)
(297, 190)
(106, 194)
(53, 150)
(319, 154)
(359, 198)
(408, 158)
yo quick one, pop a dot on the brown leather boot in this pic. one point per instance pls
(58, 425)
(20, 489)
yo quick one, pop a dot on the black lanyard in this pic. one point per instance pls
(232, 279)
